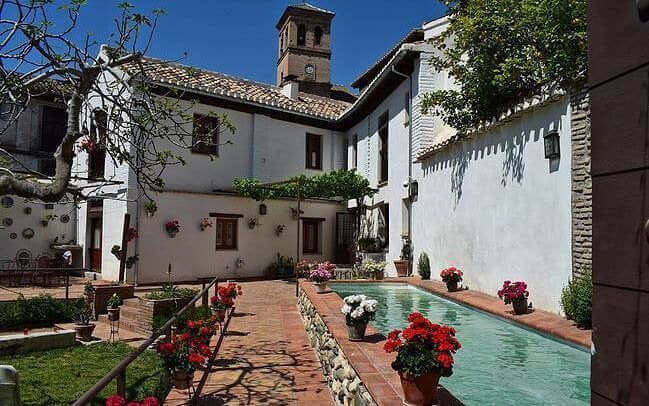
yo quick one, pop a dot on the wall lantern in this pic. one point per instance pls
(414, 189)
(551, 144)
(262, 209)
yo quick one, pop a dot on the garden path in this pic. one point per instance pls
(265, 358)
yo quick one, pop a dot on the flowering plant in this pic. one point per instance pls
(322, 272)
(451, 274)
(172, 226)
(87, 145)
(358, 309)
(303, 267)
(511, 292)
(423, 347)
(181, 353)
(131, 234)
(117, 400)
(205, 224)
(225, 296)
(373, 266)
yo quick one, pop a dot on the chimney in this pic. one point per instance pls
(290, 87)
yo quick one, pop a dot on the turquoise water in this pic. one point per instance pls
(499, 363)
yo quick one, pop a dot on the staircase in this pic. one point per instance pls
(135, 316)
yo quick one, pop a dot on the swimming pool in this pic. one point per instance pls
(499, 363)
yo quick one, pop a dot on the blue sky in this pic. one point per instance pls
(239, 37)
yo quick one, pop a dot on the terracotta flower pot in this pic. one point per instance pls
(321, 287)
(451, 286)
(420, 390)
(84, 331)
(357, 331)
(113, 314)
(182, 379)
(520, 306)
(402, 268)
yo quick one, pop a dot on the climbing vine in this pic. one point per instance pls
(344, 184)
(499, 52)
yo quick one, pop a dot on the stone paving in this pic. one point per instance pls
(265, 358)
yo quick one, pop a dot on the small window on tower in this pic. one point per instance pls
(301, 35)
(317, 36)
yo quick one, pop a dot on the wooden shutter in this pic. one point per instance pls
(313, 151)
(205, 139)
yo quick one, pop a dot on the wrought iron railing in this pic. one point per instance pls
(119, 372)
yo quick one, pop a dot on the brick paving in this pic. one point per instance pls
(265, 357)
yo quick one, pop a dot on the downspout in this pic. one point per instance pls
(409, 77)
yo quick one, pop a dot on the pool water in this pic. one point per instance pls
(499, 363)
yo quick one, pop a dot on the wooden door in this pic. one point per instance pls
(95, 244)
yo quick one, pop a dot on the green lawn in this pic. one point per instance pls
(59, 377)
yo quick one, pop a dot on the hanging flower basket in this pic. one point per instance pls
(150, 207)
(205, 224)
(172, 227)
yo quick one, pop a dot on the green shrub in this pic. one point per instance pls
(577, 300)
(170, 291)
(423, 266)
(194, 313)
(36, 311)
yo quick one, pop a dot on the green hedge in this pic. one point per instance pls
(577, 300)
(194, 313)
(37, 311)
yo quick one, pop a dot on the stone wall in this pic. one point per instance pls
(582, 184)
(344, 383)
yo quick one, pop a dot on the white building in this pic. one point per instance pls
(490, 203)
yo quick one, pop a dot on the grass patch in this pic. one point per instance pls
(61, 376)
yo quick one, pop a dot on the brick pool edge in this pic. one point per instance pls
(356, 372)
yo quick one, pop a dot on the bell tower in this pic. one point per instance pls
(304, 52)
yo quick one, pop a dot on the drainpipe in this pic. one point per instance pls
(409, 77)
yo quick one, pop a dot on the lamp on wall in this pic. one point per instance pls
(551, 144)
(262, 209)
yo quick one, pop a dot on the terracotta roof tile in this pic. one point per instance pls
(218, 84)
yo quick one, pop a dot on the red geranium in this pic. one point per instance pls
(451, 274)
(196, 359)
(150, 401)
(225, 296)
(511, 292)
(132, 234)
(115, 400)
(423, 347)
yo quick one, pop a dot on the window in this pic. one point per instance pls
(355, 151)
(383, 148)
(317, 36)
(314, 151)
(281, 42)
(226, 233)
(406, 108)
(311, 235)
(205, 139)
(97, 157)
(385, 223)
(301, 35)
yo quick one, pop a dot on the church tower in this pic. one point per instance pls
(305, 48)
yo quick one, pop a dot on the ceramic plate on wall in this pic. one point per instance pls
(65, 218)
(7, 221)
(13, 236)
(28, 233)
(7, 202)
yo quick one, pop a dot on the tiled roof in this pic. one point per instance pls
(226, 86)
(363, 79)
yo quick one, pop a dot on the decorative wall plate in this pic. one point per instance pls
(7, 202)
(13, 236)
(27, 210)
(28, 233)
(65, 219)
(7, 221)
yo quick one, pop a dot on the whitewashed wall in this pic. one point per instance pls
(43, 236)
(496, 208)
(192, 252)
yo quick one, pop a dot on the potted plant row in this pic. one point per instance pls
(424, 354)
(515, 293)
(451, 276)
(321, 274)
(358, 311)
